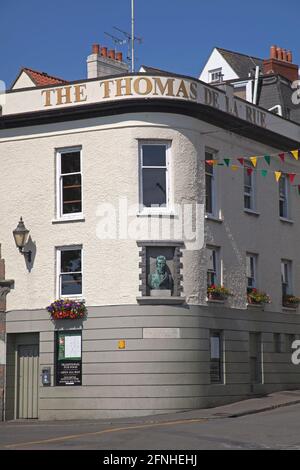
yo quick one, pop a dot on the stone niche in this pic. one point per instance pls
(149, 252)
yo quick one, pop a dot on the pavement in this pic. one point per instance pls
(273, 422)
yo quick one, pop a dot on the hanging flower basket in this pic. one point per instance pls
(218, 292)
(257, 297)
(290, 301)
(67, 309)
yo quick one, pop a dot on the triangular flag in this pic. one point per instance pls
(241, 160)
(268, 159)
(234, 167)
(295, 154)
(227, 161)
(253, 160)
(215, 162)
(209, 162)
(281, 156)
(291, 177)
(264, 172)
(277, 175)
(249, 171)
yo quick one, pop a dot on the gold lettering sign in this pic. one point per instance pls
(146, 86)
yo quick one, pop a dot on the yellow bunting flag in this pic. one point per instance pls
(295, 154)
(277, 175)
(253, 160)
(234, 167)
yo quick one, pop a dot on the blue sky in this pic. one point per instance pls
(56, 36)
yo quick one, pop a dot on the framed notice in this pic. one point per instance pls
(68, 362)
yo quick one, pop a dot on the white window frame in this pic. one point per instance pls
(214, 201)
(169, 188)
(59, 192)
(254, 257)
(221, 355)
(217, 73)
(252, 192)
(286, 272)
(284, 197)
(59, 249)
(215, 250)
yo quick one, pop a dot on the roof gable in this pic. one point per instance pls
(240, 63)
(28, 78)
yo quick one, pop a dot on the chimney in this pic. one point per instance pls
(280, 63)
(101, 63)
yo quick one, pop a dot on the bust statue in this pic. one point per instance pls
(160, 279)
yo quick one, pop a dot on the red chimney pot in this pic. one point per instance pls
(95, 49)
(112, 54)
(119, 56)
(104, 51)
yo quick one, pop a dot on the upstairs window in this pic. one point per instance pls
(251, 262)
(213, 267)
(283, 197)
(210, 185)
(215, 75)
(248, 187)
(69, 177)
(154, 175)
(286, 274)
(69, 275)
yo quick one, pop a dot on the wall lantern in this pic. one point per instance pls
(21, 237)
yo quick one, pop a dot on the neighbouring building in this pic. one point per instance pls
(264, 82)
(141, 192)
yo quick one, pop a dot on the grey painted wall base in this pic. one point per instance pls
(165, 366)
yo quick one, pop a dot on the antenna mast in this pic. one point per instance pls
(132, 36)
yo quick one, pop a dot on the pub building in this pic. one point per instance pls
(149, 244)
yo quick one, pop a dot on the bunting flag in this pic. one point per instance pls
(267, 158)
(227, 161)
(291, 177)
(264, 172)
(277, 175)
(249, 171)
(253, 160)
(281, 156)
(241, 160)
(295, 154)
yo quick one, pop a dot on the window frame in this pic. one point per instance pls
(288, 274)
(254, 256)
(169, 187)
(285, 197)
(252, 193)
(59, 179)
(211, 154)
(220, 360)
(59, 249)
(217, 260)
(218, 72)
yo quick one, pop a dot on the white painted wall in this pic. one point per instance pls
(215, 61)
(24, 81)
(110, 169)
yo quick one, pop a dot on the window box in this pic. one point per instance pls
(255, 297)
(67, 309)
(290, 301)
(218, 293)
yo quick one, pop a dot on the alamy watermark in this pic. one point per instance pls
(124, 221)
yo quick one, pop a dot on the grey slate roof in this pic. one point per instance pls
(276, 90)
(240, 63)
